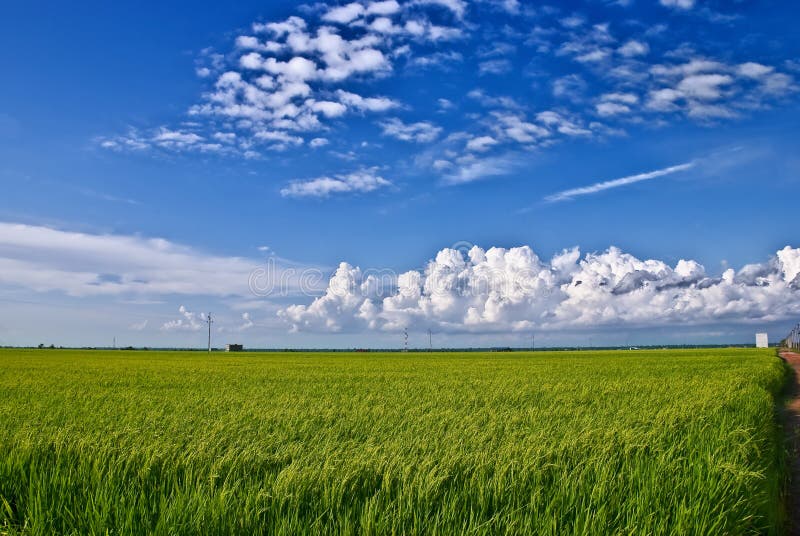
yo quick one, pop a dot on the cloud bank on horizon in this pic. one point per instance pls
(529, 77)
(500, 290)
(461, 290)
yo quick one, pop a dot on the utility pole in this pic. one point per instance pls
(405, 339)
(796, 337)
(115, 343)
(533, 342)
(210, 321)
(430, 339)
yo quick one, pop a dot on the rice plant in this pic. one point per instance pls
(633, 442)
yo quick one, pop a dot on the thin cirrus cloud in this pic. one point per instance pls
(572, 193)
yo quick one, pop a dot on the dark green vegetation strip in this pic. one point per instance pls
(650, 442)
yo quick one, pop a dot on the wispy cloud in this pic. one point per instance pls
(470, 169)
(139, 326)
(421, 132)
(79, 264)
(109, 197)
(362, 181)
(678, 4)
(566, 195)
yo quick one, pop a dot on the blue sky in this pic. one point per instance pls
(379, 134)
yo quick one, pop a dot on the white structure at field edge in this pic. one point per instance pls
(762, 341)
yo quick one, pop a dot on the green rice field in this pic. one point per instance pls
(606, 442)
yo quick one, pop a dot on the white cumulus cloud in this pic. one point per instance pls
(502, 290)
(344, 14)
(188, 321)
(481, 143)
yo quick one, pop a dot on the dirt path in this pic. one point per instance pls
(793, 423)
